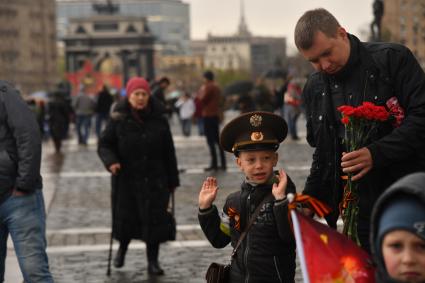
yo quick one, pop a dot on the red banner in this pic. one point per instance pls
(94, 80)
(330, 256)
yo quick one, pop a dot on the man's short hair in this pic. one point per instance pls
(164, 80)
(310, 23)
(209, 75)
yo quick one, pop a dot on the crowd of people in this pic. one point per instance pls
(136, 146)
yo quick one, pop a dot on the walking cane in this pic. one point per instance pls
(114, 194)
(108, 271)
(172, 203)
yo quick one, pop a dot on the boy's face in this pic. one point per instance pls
(404, 256)
(257, 165)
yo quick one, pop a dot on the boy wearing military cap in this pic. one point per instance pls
(267, 251)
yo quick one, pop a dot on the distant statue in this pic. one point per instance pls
(375, 26)
(108, 8)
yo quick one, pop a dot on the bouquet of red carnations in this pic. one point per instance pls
(360, 123)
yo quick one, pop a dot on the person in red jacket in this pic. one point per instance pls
(210, 97)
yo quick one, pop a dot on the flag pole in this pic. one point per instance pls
(299, 242)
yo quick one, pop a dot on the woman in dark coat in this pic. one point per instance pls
(137, 148)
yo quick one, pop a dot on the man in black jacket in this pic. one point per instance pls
(22, 212)
(350, 72)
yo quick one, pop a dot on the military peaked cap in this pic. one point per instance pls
(253, 131)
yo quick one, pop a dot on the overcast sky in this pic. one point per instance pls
(274, 17)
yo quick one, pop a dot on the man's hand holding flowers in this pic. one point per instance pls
(357, 162)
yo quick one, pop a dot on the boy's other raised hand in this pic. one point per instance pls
(279, 189)
(208, 193)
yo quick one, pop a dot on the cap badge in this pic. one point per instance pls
(257, 136)
(419, 226)
(255, 120)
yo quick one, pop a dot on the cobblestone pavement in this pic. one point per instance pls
(79, 216)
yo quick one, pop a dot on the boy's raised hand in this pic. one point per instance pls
(208, 193)
(279, 189)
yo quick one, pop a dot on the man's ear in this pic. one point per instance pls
(341, 32)
(276, 156)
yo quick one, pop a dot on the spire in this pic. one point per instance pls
(243, 28)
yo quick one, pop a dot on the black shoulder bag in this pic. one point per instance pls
(220, 273)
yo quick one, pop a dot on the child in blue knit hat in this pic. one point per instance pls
(398, 231)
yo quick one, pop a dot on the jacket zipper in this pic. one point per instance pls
(365, 86)
(277, 269)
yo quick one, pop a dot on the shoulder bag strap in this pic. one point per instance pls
(251, 221)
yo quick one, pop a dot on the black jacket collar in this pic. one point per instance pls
(358, 55)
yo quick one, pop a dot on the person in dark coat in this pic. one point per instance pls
(158, 91)
(59, 112)
(267, 253)
(137, 148)
(350, 72)
(397, 233)
(103, 106)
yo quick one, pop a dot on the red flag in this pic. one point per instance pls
(328, 256)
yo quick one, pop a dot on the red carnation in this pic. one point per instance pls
(360, 122)
(345, 120)
(347, 110)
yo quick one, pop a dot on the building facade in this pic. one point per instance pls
(113, 44)
(404, 22)
(28, 49)
(244, 51)
(168, 20)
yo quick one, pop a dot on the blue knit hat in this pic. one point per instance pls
(402, 213)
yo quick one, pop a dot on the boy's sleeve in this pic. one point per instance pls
(210, 222)
(280, 210)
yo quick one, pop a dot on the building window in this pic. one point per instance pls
(105, 26)
(35, 15)
(9, 33)
(9, 55)
(403, 5)
(403, 31)
(7, 13)
(230, 64)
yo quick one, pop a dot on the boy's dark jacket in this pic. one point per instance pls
(411, 185)
(375, 72)
(267, 254)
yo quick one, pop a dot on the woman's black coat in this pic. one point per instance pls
(142, 143)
